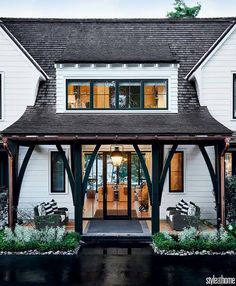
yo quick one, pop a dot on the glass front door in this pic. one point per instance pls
(117, 186)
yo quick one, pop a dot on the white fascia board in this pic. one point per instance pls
(211, 51)
(24, 51)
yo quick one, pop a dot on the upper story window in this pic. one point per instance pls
(234, 96)
(117, 94)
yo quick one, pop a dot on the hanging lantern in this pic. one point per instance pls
(116, 157)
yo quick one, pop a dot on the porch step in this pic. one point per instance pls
(116, 239)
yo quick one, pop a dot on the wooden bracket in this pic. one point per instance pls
(165, 169)
(88, 169)
(68, 169)
(145, 170)
(22, 172)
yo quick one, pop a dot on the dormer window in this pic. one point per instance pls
(117, 94)
(155, 94)
(104, 96)
(78, 94)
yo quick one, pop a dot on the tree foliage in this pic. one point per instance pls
(181, 10)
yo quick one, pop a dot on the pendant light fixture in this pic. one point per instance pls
(116, 157)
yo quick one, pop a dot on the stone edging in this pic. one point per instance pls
(36, 252)
(158, 251)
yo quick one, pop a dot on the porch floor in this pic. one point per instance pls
(145, 224)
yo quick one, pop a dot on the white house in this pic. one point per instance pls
(159, 92)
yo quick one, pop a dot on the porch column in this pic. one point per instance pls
(220, 176)
(156, 173)
(11, 184)
(222, 170)
(78, 189)
(12, 192)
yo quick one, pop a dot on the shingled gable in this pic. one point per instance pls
(212, 49)
(23, 50)
(186, 41)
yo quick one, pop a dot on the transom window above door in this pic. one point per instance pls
(117, 94)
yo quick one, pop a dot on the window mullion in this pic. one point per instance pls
(91, 95)
(117, 94)
(142, 95)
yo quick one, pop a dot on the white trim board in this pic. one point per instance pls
(212, 50)
(23, 51)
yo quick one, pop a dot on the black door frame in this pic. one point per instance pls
(106, 216)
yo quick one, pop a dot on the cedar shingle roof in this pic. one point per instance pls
(48, 41)
(40, 121)
(117, 40)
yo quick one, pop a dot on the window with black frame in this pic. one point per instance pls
(129, 95)
(176, 173)
(57, 173)
(117, 94)
(104, 94)
(155, 94)
(78, 94)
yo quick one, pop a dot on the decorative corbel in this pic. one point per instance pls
(10, 147)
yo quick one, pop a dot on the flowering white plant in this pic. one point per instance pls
(188, 234)
(167, 236)
(24, 234)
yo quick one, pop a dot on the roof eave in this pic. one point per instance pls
(138, 61)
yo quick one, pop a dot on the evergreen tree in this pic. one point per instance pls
(181, 10)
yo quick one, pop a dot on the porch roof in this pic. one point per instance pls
(45, 121)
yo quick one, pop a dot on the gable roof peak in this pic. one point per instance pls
(117, 20)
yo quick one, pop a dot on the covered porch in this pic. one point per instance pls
(88, 208)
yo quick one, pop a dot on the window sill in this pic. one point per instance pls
(102, 111)
(177, 193)
(58, 194)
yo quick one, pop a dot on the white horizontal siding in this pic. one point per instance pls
(216, 80)
(170, 73)
(197, 184)
(36, 183)
(20, 79)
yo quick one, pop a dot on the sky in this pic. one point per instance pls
(109, 8)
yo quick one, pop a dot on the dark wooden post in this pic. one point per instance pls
(220, 174)
(13, 151)
(129, 185)
(218, 184)
(222, 171)
(156, 171)
(11, 164)
(78, 189)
